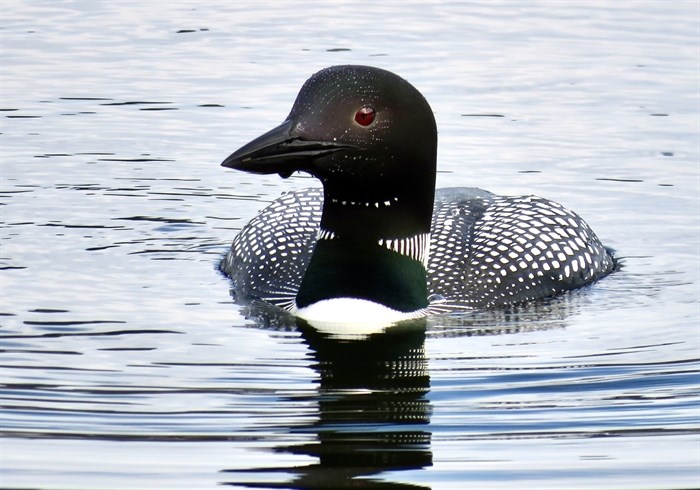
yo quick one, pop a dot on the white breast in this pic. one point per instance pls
(353, 316)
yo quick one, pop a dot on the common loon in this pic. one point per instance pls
(378, 242)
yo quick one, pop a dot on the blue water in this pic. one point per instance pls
(125, 362)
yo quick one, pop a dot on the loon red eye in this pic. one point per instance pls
(365, 116)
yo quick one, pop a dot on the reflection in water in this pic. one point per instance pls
(373, 412)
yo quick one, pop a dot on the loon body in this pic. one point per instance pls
(378, 241)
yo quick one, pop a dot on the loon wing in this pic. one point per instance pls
(490, 251)
(269, 256)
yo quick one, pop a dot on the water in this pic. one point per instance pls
(126, 364)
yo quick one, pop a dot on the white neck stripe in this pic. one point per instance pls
(416, 247)
(367, 204)
(325, 234)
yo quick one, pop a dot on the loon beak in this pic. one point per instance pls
(282, 150)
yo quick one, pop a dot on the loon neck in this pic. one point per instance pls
(372, 215)
(392, 275)
(371, 247)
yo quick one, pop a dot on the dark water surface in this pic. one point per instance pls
(126, 364)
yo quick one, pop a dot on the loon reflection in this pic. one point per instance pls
(374, 413)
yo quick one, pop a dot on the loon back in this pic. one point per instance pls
(486, 250)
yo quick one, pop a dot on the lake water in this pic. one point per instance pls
(125, 362)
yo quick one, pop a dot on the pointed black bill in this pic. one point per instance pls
(281, 150)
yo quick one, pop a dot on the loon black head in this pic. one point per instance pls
(370, 137)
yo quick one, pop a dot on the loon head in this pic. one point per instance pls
(368, 135)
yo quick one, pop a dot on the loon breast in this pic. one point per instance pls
(353, 310)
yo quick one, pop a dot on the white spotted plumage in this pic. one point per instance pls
(483, 250)
(517, 249)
